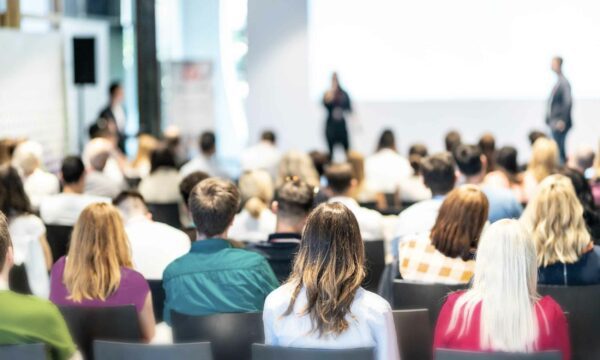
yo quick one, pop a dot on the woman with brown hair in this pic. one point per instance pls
(98, 268)
(322, 305)
(446, 254)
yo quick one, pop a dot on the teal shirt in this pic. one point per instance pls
(217, 278)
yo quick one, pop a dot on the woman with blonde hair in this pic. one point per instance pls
(544, 162)
(297, 165)
(141, 165)
(445, 255)
(256, 221)
(97, 271)
(502, 310)
(323, 305)
(565, 251)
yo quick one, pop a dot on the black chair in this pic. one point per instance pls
(158, 298)
(59, 237)
(18, 281)
(443, 354)
(266, 352)
(581, 303)
(413, 333)
(107, 350)
(230, 335)
(23, 352)
(375, 263)
(86, 324)
(279, 255)
(166, 213)
(412, 295)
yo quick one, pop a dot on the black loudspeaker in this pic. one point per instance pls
(84, 60)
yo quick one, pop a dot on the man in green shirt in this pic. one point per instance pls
(27, 319)
(214, 277)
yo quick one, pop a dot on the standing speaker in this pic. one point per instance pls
(84, 60)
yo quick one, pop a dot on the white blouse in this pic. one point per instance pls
(247, 228)
(371, 324)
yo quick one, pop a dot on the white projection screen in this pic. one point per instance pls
(406, 50)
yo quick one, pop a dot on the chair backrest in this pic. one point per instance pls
(230, 335)
(166, 213)
(412, 295)
(443, 354)
(18, 281)
(279, 255)
(413, 333)
(115, 323)
(59, 237)
(375, 263)
(581, 303)
(158, 298)
(23, 352)
(108, 350)
(266, 352)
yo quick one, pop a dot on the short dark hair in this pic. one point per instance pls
(213, 204)
(207, 141)
(268, 135)
(534, 135)
(438, 173)
(5, 241)
(162, 157)
(13, 199)
(126, 194)
(559, 59)
(189, 182)
(339, 177)
(506, 158)
(387, 140)
(468, 159)
(72, 169)
(112, 89)
(418, 149)
(320, 161)
(452, 140)
(416, 153)
(295, 199)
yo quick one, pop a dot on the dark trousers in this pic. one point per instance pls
(337, 133)
(560, 138)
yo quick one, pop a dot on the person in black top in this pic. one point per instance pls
(560, 103)
(337, 103)
(584, 194)
(114, 115)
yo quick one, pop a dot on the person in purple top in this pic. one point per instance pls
(98, 268)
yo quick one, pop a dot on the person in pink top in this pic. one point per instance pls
(502, 312)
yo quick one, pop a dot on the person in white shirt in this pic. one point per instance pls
(162, 185)
(341, 184)
(38, 183)
(206, 160)
(96, 155)
(386, 168)
(412, 188)
(341, 313)
(262, 156)
(153, 245)
(64, 208)
(256, 220)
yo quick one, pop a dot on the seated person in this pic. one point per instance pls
(28, 319)
(328, 270)
(65, 208)
(98, 270)
(206, 160)
(340, 178)
(153, 245)
(98, 182)
(554, 219)
(502, 310)
(412, 188)
(186, 186)
(293, 202)
(445, 255)
(214, 277)
(161, 186)
(386, 168)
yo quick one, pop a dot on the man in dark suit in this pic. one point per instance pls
(558, 115)
(114, 114)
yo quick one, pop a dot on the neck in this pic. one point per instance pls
(73, 189)
(288, 227)
(4, 280)
(475, 179)
(200, 237)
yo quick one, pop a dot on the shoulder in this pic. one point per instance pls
(550, 307)
(280, 297)
(35, 308)
(134, 278)
(371, 302)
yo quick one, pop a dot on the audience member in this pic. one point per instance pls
(296, 164)
(206, 160)
(323, 305)
(502, 310)
(544, 161)
(341, 185)
(214, 277)
(534, 135)
(386, 168)
(27, 231)
(28, 319)
(162, 185)
(487, 145)
(412, 188)
(583, 160)
(65, 208)
(186, 186)
(172, 140)
(506, 175)
(363, 192)
(153, 245)
(97, 182)
(7, 148)
(445, 255)
(584, 194)
(320, 161)
(27, 158)
(141, 166)
(452, 140)
(262, 156)
(98, 272)
(256, 220)
(472, 164)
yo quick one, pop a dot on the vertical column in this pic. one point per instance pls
(12, 16)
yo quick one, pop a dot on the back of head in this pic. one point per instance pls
(213, 204)
(146, 144)
(99, 248)
(555, 219)
(189, 182)
(28, 156)
(468, 159)
(452, 140)
(584, 157)
(72, 170)
(416, 153)
(130, 204)
(330, 266)
(438, 173)
(256, 189)
(268, 136)
(296, 164)
(207, 143)
(506, 159)
(534, 135)
(487, 145)
(459, 223)
(320, 161)
(5, 241)
(96, 153)
(544, 158)
(294, 200)
(162, 157)
(505, 284)
(339, 178)
(387, 140)
(13, 199)
(357, 161)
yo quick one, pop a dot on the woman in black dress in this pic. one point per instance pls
(337, 103)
